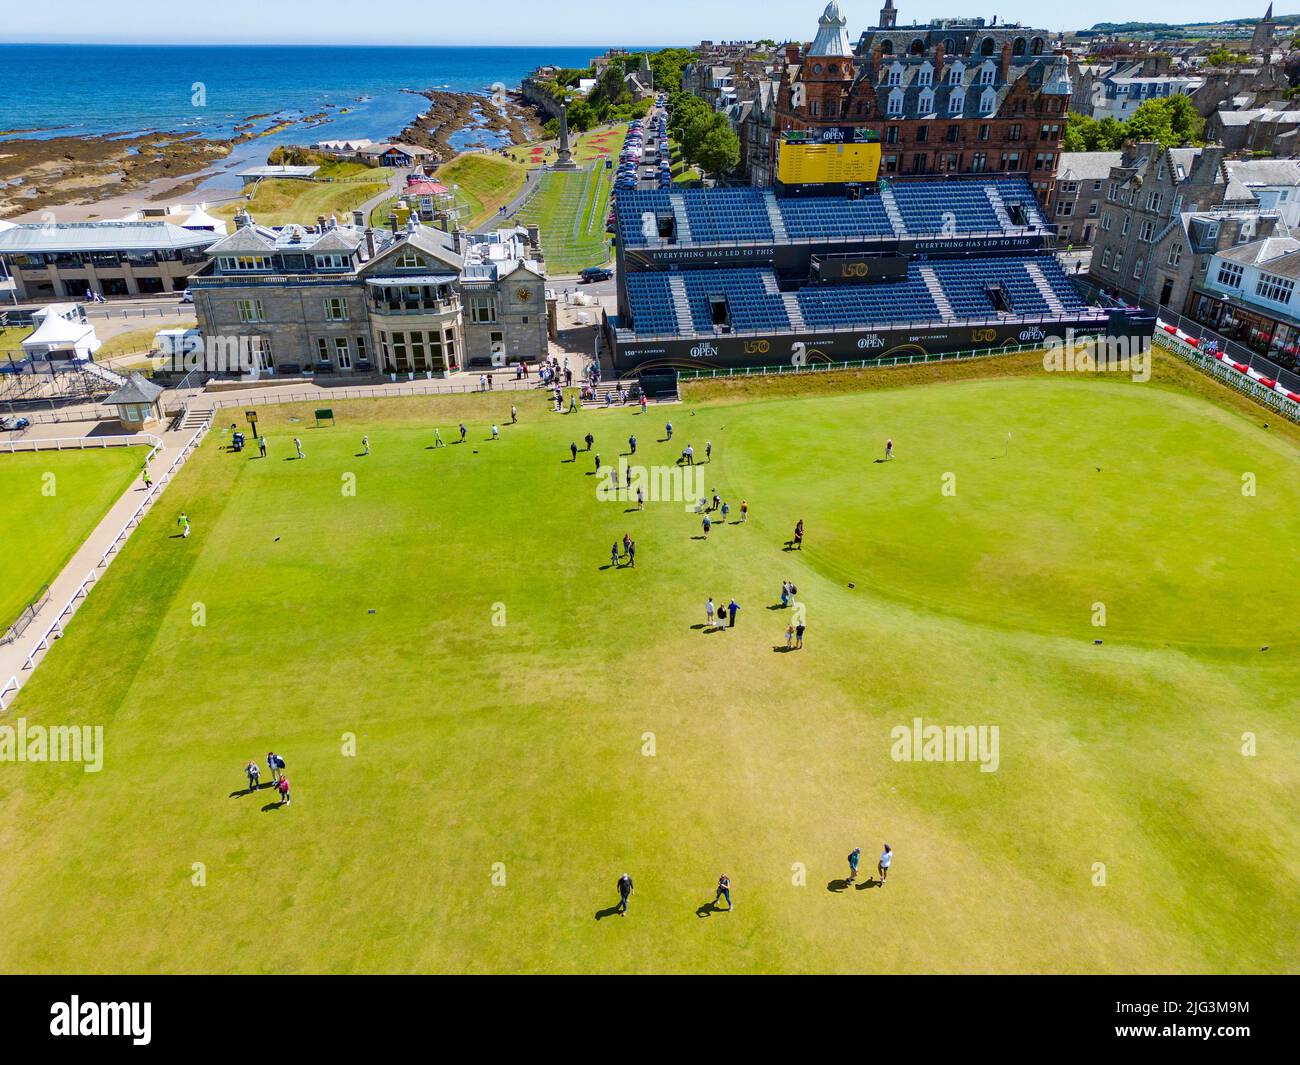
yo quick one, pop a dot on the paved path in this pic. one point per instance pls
(86, 559)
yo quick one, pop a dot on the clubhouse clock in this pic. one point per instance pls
(523, 295)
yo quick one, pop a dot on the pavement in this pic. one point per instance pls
(86, 559)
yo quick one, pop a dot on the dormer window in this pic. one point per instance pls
(408, 260)
(987, 73)
(926, 104)
(896, 102)
(955, 74)
(332, 262)
(956, 103)
(925, 76)
(988, 101)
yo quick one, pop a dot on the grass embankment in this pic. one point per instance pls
(280, 201)
(570, 209)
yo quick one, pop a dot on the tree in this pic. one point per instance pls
(551, 128)
(719, 150)
(581, 117)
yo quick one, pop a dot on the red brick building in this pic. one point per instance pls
(954, 96)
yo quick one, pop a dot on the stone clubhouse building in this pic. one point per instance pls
(350, 299)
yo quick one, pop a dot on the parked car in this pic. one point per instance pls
(594, 273)
(8, 425)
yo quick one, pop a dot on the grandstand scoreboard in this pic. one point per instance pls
(840, 155)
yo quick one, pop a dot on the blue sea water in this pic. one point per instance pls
(64, 90)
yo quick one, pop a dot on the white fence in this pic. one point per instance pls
(80, 443)
(55, 629)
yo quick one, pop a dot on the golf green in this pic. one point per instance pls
(485, 724)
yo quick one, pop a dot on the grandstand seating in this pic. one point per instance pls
(834, 217)
(752, 304)
(726, 215)
(755, 305)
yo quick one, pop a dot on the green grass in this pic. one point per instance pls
(280, 201)
(522, 743)
(484, 183)
(570, 209)
(51, 502)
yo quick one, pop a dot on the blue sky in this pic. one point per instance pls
(534, 21)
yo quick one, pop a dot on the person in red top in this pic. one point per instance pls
(284, 790)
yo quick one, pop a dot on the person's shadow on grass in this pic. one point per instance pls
(609, 911)
(781, 648)
(270, 806)
(708, 910)
(868, 883)
(838, 885)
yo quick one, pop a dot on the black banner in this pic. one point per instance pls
(243, 1018)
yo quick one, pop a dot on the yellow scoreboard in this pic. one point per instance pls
(827, 164)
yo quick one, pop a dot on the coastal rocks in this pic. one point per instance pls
(451, 112)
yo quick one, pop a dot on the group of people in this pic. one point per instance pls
(688, 452)
(626, 891)
(629, 553)
(882, 867)
(720, 617)
(626, 888)
(719, 506)
(280, 782)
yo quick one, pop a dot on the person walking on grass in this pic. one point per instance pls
(789, 637)
(437, 438)
(855, 856)
(726, 509)
(625, 892)
(573, 450)
(261, 446)
(640, 498)
(463, 431)
(613, 556)
(365, 444)
(253, 773)
(297, 446)
(184, 522)
(708, 451)
(889, 449)
(669, 428)
(798, 636)
(886, 859)
(589, 440)
(283, 786)
(643, 403)
(514, 414)
(272, 763)
(631, 443)
(732, 609)
(496, 433)
(724, 892)
(706, 524)
(631, 553)
(709, 613)
(597, 463)
(744, 511)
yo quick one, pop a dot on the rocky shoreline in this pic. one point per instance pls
(451, 112)
(38, 174)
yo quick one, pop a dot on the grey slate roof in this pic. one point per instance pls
(138, 389)
(1086, 166)
(100, 236)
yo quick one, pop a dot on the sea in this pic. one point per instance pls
(363, 91)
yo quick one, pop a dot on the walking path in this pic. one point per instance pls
(512, 208)
(19, 658)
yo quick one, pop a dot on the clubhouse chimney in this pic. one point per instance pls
(1004, 67)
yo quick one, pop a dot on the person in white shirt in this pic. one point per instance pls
(886, 857)
(708, 614)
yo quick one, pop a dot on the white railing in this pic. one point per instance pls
(80, 443)
(10, 689)
(55, 629)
